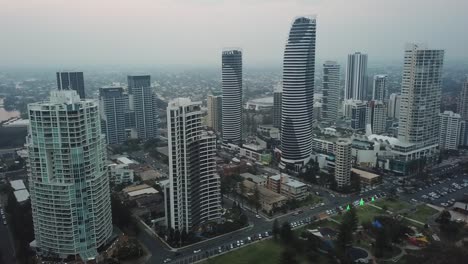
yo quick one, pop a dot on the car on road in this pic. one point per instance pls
(167, 260)
(4, 222)
(196, 251)
(267, 234)
(258, 216)
(220, 250)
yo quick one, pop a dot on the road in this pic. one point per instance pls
(7, 251)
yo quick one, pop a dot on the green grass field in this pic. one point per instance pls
(365, 213)
(392, 205)
(422, 213)
(265, 252)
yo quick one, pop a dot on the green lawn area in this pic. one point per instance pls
(264, 252)
(365, 213)
(314, 225)
(392, 205)
(422, 213)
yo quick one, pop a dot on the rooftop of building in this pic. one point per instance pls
(255, 178)
(182, 101)
(16, 123)
(21, 195)
(365, 174)
(17, 185)
(135, 188)
(265, 194)
(295, 183)
(126, 161)
(149, 190)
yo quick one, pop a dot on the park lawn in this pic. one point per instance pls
(264, 252)
(422, 213)
(365, 213)
(392, 205)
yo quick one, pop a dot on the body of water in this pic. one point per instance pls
(4, 114)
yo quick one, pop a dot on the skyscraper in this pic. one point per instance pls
(451, 132)
(376, 116)
(343, 162)
(356, 77)
(71, 81)
(355, 111)
(298, 94)
(194, 196)
(144, 104)
(379, 89)
(215, 112)
(331, 91)
(232, 96)
(463, 102)
(138, 81)
(420, 96)
(277, 94)
(112, 102)
(394, 106)
(68, 178)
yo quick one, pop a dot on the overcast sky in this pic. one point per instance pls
(193, 32)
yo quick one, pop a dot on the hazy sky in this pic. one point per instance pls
(193, 32)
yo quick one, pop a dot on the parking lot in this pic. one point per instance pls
(441, 193)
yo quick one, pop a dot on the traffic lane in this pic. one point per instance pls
(6, 245)
(158, 251)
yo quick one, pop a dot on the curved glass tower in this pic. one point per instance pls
(232, 96)
(298, 94)
(68, 177)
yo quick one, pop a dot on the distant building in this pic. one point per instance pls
(452, 130)
(144, 103)
(356, 77)
(71, 81)
(215, 112)
(138, 81)
(277, 94)
(379, 89)
(331, 91)
(393, 109)
(463, 101)
(269, 200)
(355, 111)
(68, 180)
(298, 94)
(194, 194)
(420, 96)
(120, 173)
(376, 116)
(367, 178)
(112, 110)
(343, 164)
(232, 96)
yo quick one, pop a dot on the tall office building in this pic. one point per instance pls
(277, 94)
(232, 96)
(343, 162)
(298, 94)
(355, 111)
(145, 107)
(356, 77)
(68, 178)
(138, 81)
(393, 109)
(331, 91)
(463, 101)
(71, 81)
(379, 88)
(420, 96)
(452, 130)
(215, 112)
(194, 195)
(376, 116)
(112, 102)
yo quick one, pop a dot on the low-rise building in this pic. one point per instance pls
(259, 180)
(285, 185)
(269, 200)
(120, 174)
(138, 191)
(367, 178)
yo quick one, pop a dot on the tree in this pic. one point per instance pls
(346, 229)
(243, 220)
(177, 236)
(381, 242)
(183, 236)
(256, 197)
(444, 218)
(286, 233)
(276, 229)
(350, 219)
(288, 257)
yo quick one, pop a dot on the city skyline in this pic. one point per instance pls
(261, 47)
